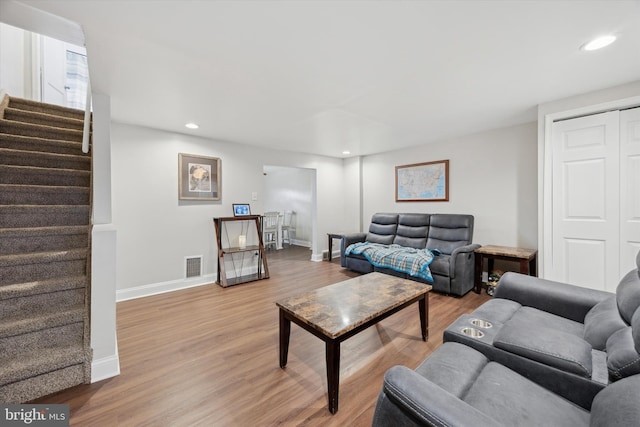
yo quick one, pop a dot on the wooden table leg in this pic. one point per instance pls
(423, 307)
(330, 247)
(333, 373)
(524, 267)
(285, 332)
(478, 273)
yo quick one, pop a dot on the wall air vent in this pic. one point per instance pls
(193, 266)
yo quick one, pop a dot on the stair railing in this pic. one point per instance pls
(86, 132)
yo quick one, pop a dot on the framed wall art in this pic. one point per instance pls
(198, 177)
(423, 182)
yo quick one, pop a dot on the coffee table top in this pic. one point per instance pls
(337, 309)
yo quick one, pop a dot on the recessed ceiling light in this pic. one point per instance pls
(600, 42)
(192, 126)
(346, 152)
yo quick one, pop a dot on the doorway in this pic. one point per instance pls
(291, 189)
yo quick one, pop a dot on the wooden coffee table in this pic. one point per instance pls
(337, 312)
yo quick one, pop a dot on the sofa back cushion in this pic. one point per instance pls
(383, 228)
(623, 350)
(601, 322)
(628, 294)
(412, 230)
(616, 404)
(449, 231)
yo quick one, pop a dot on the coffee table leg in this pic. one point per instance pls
(333, 374)
(285, 330)
(423, 307)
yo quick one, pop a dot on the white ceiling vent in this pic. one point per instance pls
(193, 266)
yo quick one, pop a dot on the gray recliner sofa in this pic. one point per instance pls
(459, 386)
(451, 234)
(572, 340)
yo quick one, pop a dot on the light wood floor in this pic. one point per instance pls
(208, 356)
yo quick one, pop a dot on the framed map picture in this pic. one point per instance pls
(423, 182)
(198, 177)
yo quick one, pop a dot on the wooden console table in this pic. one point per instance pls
(526, 258)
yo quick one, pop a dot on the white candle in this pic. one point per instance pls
(242, 241)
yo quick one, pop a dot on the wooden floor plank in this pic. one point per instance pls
(208, 356)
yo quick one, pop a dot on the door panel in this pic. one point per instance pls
(629, 188)
(586, 201)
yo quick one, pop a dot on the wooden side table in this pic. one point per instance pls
(332, 236)
(526, 258)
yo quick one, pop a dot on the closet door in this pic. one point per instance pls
(629, 188)
(586, 201)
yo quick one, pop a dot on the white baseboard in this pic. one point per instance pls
(163, 287)
(107, 367)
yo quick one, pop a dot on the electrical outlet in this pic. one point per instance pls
(254, 196)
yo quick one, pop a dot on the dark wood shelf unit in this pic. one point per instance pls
(230, 251)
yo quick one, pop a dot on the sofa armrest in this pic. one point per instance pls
(562, 299)
(406, 393)
(462, 250)
(349, 239)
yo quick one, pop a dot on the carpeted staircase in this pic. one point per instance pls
(45, 205)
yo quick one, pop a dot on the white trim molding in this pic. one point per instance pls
(163, 287)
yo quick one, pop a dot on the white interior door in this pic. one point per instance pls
(53, 71)
(586, 201)
(629, 188)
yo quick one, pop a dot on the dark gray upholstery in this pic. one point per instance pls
(450, 234)
(459, 386)
(572, 340)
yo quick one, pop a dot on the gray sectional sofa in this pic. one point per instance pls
(538, 353)
(450, 234)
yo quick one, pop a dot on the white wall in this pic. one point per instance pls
(291, 189)
(156, 230)
(12, 61)
(492, 175)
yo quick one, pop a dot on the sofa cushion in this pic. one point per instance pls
(617, 404)
(513, 400)
(448, 232)
(602, 321)
(382, 228)
(628, 294)
(440, 265)
(496, 310)
(534, 318)
(444, 368)
(623, 350)
(552, 347)
(412, 230)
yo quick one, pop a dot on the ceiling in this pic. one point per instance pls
(365, 76)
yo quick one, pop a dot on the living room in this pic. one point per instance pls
(495, 175)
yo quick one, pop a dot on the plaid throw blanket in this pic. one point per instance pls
(414, 262)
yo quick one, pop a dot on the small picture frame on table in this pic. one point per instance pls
(241, 209)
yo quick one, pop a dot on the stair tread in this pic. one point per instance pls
(42, 257)
(44, 170)
(15, 101)
(41, 320)
(36, 140)
(43, 231)
(84, 158)
(24, 125)
(24, 116)
(18, 290)
(40, 362)
(44, 188)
